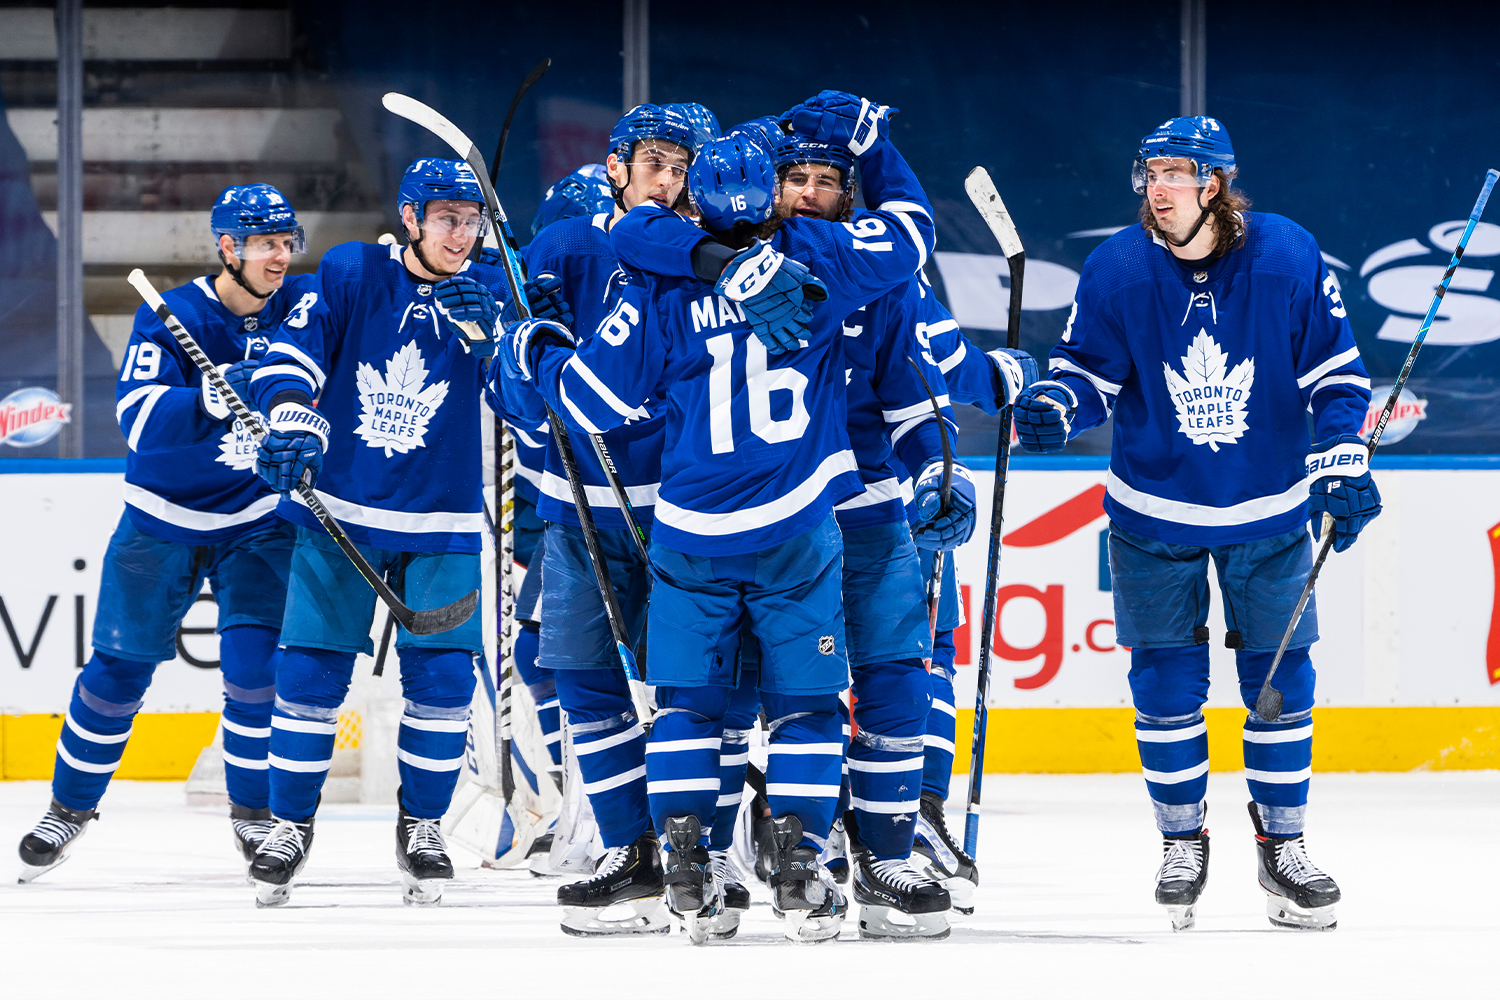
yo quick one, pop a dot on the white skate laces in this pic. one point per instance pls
(426, 837)
(284, 842)
(1183, 860)
(55, 830)
(614, 859)
(723, 867)
(1292, 862)
(898, 873)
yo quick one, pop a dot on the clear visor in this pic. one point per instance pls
(822, 177)
(446, 221)
(263, 246)
(1177, 173)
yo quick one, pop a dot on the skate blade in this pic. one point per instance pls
(1184, 917)
(421, 891)
(800, 926)
(886, 923)
(633, 916)
(725, 925)
(268, 894)
(961, 891)
(31, 872)
(1284, 913)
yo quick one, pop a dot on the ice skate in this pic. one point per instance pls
(937, 853)
(835, 854)
(692, 890)
(48, 843)
(897, 901)
(1299, 895)
(279, 861)
(1182, 876)
(765, 847)
(625, 897)
(726, 923)
(422, 856)
(250, 827)
(803, 893)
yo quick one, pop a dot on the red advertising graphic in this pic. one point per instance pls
(1059, 522)
(1492, 647)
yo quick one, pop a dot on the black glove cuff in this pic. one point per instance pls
(289, 396)
(710, 258)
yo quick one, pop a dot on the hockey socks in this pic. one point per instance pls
(942, 722)
(805, 761)
(682, 758)
(310, 687)
(100, 715)
(1174, 760)
(610, 746)
(543, 687)
(886, 754)
(248, 657)
(1278, 755)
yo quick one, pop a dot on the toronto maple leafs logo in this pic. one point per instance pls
(238, 447)
(1210, 404)
(398, 406)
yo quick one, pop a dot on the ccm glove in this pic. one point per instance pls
(775, 293)
(936, 530)
(841, 119)
(522, 344)
(1044, 416)
(1341, 486)
(544, 295)
(292, 450)
(471, 312)
(1015, 370)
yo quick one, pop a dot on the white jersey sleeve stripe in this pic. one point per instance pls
(953, 360)
(600, 389)
(582, 418)
(1328, 383)
(915, 233)
(1337, 361)
(915, 410)
(144, 413)
(301, 357)
(765, 515)
(266, 371)
(130, 399)
(901, 430)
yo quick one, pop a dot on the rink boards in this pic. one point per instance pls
(1408, 662)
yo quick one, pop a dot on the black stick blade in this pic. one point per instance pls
(442, 619)
(1268, 705)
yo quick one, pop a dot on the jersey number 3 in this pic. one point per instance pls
(759, 385)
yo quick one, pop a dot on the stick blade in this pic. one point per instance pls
(414, 110)
(442, 619)
(986, 199)
(1268, 705)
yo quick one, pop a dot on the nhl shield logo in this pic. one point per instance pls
(424, 290)
(250, 325)
(825, 645)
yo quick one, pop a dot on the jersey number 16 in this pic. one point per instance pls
(760, 383)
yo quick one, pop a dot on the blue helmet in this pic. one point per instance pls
(431, 179)
(243, 210)
(800, 149)
(765, 131)
(583, 192)
(1199, 138)
(733, 180)
(651, 121)
(705, 123)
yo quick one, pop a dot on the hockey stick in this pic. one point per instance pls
(537, 72)
(425, 622)
(505, 568)
(421, 114)
(945, 493)
(1268, 703)
(415, 111)
(986, 199)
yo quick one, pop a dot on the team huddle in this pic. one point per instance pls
(728, 388)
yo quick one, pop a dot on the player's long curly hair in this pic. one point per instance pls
(1226, 211)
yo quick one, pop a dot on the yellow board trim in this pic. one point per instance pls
(163, 747)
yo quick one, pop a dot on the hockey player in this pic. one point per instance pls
(1208, 332)
(389, 343)
(744, 528)
(194, 510)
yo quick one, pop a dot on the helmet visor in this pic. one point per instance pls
(446, 221)
(1168, 172)
(263, 246)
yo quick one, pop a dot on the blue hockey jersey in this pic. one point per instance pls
(403, 466)
(190, 478)
(970, 375)
(1209, 374)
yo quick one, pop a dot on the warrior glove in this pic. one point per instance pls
(1044, 416)
(1341, 486)
(292, 450)
(522, 345)
(936, 529)
(841, 119)
(1015, 370)
(472, 313)
(776, 294)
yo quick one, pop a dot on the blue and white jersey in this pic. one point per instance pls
(757, 448)
(403, 466)
(190, 478)
(578, 252)
(970, 375)
(1209, 375)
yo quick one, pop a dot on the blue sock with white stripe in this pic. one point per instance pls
(540, 682)
(97, 725)
(611, 749)
(1278, 755)
(439, 688)
(886, 756)
(310, 687)
(248, 657)
(804, 768)
(734, 757)
(942, 726)
(682, 755)
(1174, 758)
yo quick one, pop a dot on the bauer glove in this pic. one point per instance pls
(1014, 371)
(841, 119)
(1341, 486)
(522, 344)
(472, 313)
(1044, 416)
(775, 293)
(544, 295)
(238, 376)
(935, 529)
(292, 450)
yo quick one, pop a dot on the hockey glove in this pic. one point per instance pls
(292, 450)
(238, 376)
(472, 313)
(208, 397)
(936, 530)
(522, 344)
(544, 295)
(774, 291)
(1016, 370)
(1341, 486)
(841, 119)
(1044, 416)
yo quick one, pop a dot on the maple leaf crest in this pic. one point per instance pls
(396, 408)
(237, 448)
(1210, 404)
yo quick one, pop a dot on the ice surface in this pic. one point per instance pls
(153, 903)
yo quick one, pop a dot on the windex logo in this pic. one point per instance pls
(32, 416)
(1467, 315)
(1404, 418)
